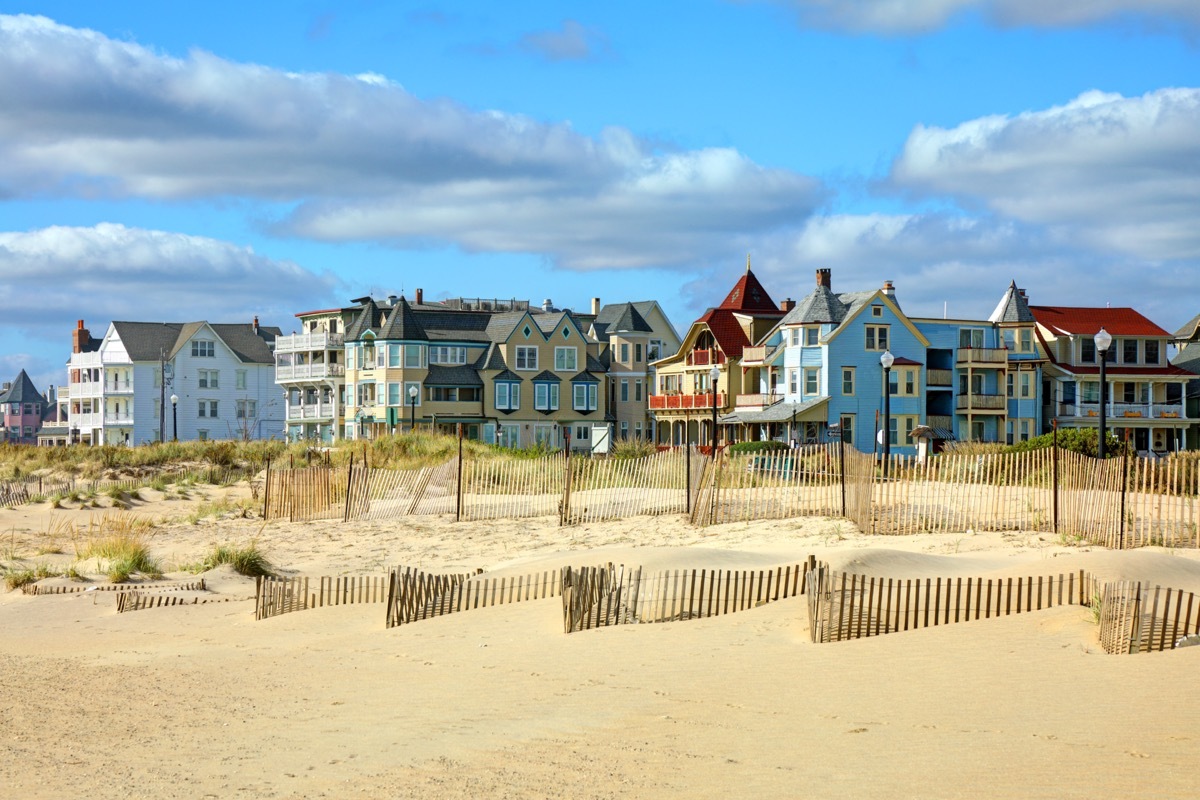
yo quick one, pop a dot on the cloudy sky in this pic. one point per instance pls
(217, 161)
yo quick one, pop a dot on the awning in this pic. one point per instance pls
(810, 411)
(927, 432)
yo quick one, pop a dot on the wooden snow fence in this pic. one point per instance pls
(1135, 618)
(395, 493)
(605, 488)
(275, 596)
(596, 597)
(414, 595)
(1163, 502)
(779, 484)
(35, 589)
(501, 489)
(844, 606)
(306, 493)
(958, 492)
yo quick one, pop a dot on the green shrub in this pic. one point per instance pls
(632, 448)
(248, 560)
(757, 447)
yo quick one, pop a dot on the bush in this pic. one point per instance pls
(1077, 440)
(248, 560)
(757, 447)
(633, 448)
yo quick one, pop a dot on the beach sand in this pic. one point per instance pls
(202, 701)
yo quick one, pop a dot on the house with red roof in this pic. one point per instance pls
(685, 392)
(1145, 392)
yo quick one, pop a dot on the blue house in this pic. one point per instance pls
(820, 366)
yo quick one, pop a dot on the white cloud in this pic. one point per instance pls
(112, 272)
(358, 157)
(1106, 171)
(920, 16)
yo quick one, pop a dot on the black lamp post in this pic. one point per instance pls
(887, 359)
(174, 418)
(412, 408)
(713, 374)
(1103, 341)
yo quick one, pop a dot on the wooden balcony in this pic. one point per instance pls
(940, 377)
(982, 402)
(685, 402)
(758, 400)
(939, 421)
(1124, 411)
(308, 372)
(309, 341)
(704, 358)
(987, 357)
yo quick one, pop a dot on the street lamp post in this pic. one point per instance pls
(412, 408)
(174, 418)
(713, 374)
(887, 359)
(1103, 341)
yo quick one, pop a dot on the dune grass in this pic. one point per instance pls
(248, 560)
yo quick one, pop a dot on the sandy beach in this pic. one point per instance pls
(203, 701)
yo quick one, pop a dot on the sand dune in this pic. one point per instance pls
(204, 701)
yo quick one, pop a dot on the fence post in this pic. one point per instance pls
(565, 512)
(267, 489)
(1054, 459)
(1124, 487)
(349, 487)
(842, 469)
(458, 503)
(688, 487)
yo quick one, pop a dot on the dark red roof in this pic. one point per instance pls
(748, 295)
(726, 330)
(901, 361)
(1088, 321)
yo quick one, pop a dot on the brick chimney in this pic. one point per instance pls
(79, 338)
(824, 278)
(889, 289)
(787, 305)
(595, 306)
(254, 326)
(420, 296)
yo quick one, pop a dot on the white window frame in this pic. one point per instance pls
(583, 396)
(508, 396)
(522, 353)
(545, 396)
(560, 359)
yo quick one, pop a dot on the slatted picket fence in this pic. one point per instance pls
(499, 489)
(35, 589)
(780, 484)
(275, 595)
(596, 597)
(1137, 618)
(604, 489)
(137, 600)
(415, 595)
(844, 606)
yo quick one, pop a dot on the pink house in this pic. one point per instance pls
(23, 409)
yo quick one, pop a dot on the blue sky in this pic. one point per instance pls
(219, 160)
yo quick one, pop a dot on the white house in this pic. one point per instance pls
(220, 383)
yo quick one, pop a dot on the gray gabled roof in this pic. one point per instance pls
(402, 324)
(1188, 329)
(820, 306)
(148, 341)
(1013, 307)
(619, 317)
(22, 391)
(500, 326)
(546, 376)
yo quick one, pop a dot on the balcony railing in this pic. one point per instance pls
(87, 389)
(758, 400)
(982, 402)
(685, 402)
(86, 421)
(84, 360)
(983, 356)
(309, 341)
(118, 387)
(309, 372)
(119, 419)
(940, 377)
(703, 358)
(314, 411)
(1124, 410)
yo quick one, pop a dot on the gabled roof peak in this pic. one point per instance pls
(748, 295)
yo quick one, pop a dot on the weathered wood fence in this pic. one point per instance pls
(274, 596)
(414, 595)
(595, 597)
(844, 606)
(1135, 618)
(1117, 503)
